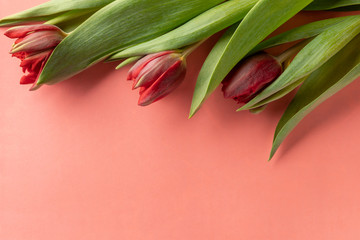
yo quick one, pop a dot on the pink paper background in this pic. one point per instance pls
(80, 160)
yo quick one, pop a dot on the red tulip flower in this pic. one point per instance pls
(157, 75)
(251, 76)
(33, 47)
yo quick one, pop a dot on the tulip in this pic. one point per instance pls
(157, 75)
(250, 76)
(33, 47)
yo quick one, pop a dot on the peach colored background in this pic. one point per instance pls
(80, 160)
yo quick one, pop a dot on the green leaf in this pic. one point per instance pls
(51, 9)
(312, 56)
(347, 8)
(197, 29)
(258, 110)
(338, 72)
(279, 94)
(305, 31)
(330, 4)
(263, 18)
(128, 61)
(115, 26)
(70, 20)
(205, 87)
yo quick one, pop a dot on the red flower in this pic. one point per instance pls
(157, 75)
(33, 47)
(250, 76)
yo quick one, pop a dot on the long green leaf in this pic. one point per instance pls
(52, 9)
(330, 4)
(347, 8)
(115, 26)
(128, 61)
(263, 18)
(334, 75)
(205, 87)
(312, 56)
(283, 92)
(305, 31)
(197, 29)
(70, 20)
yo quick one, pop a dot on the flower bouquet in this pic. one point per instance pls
(60, 38)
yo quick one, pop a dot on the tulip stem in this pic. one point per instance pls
(289, 53)
(190, 49)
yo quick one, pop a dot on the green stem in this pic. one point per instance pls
(190, 49)
(291, 52)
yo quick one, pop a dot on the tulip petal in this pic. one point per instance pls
(33, 46)
(139, 65)
(154, 69)
(20, 55)
(151, 66)
(250, 76)
(29, 78)
(33, 62)
(38, 41)
(165, 84)
(22, 31)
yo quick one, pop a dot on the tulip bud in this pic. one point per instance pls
(250, 76)
(33, 47)
(157, 75)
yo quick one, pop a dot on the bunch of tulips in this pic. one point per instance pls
(60, 38)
